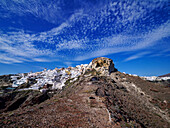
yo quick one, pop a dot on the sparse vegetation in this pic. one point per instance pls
(89, 91)
(95, 100)
(92, 72)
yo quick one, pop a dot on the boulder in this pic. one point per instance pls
(102, 65)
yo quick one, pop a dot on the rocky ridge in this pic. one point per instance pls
(99, 96)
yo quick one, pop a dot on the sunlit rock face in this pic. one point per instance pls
(102, 65)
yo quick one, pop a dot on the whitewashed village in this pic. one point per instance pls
(49, 79)
(56, 78)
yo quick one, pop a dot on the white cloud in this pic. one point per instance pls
(136, 56)
(51, 11)
(73, 44)
(128, 43)
(44, 60)
(18, 49)
(22, 46)
(42, 9)
(5, 58)
(68, 63)
(41, 60)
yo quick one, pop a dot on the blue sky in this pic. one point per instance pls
(37, 34)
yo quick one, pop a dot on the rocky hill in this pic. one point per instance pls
(93, 95)
(166, 75)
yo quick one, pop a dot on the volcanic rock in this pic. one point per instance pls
(100, 97)
(5, 80)
(102, 65)
(166, 75)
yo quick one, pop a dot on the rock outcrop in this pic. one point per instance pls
(96, 94)
(103, 65)
(5, 80)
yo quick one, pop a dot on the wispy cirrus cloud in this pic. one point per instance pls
(44, 60)
(136, 56)
(47, 10)
(18, 47)
(6, 59)
(125, 43)
(56, 12)
(83, 32)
